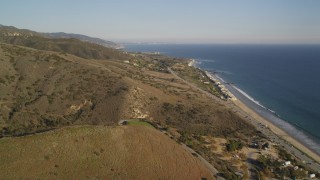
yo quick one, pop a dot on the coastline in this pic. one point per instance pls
(257, 119)
(279, 132)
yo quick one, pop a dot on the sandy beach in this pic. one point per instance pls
(272, 131)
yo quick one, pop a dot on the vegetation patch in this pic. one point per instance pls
(139, 123)
(234, 145)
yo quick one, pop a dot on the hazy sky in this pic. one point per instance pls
(181, 21)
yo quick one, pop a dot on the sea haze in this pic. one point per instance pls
(282, 78)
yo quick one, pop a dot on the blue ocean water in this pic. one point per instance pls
(283, 78)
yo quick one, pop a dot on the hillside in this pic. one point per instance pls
(42, 90)
(98, 152)
(46, 90)
(81, 37)
(88, 50)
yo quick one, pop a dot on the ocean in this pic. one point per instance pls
(281, 79)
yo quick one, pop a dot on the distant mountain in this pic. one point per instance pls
(11, 31)
(81, 37)
(75, 46)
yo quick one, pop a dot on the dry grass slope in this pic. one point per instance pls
(41, 90)
(98, 152)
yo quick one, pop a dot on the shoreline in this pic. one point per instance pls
(260, 119)
(278, 131)
(290, 129)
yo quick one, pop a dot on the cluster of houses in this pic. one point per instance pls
(223, 89)
(288, 163)
(265, 145)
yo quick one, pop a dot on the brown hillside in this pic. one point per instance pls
(71, 46)
(99, 152)
(43, 90)
(23, 37)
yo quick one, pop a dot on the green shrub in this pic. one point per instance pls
(234, 145)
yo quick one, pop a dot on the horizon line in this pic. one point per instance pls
(214, 43)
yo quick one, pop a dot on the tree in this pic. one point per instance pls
(265, 161)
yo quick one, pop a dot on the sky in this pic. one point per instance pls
(171, 21)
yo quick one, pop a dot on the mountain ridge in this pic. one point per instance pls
(32, 39)
(60, 35)
(82, 37)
